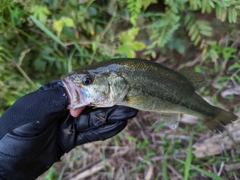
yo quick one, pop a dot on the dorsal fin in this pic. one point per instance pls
(198, 80)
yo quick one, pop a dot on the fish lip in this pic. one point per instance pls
(72, 92)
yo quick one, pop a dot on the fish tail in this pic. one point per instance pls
(220, 119)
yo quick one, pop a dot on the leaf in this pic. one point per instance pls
(163, 28)
(40, 12)
(64, 21)
(17, 14)
(228, 51)
(40, 65)
(195, 4)
(237, 77)
(146, 3)
(211, 3)
(188, 158)
(68, 21)
(204, 28)
(128, 45)
(47, 31)
(128, 35)
(58, 25)
(234, 66)
(206, 6)
(137, 45)
(207, 173)
(198, 29)
(134, 7)
(177, 44)
(176, 6)
(92, 11)
(131, 138)
(221, 13)
(232, 15)
(127, 49)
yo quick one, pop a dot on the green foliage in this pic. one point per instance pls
(188, 160)
(225, 51)
(176, 6)
(134, 7)
(64, 21)
(51, 175)
(164, 162)
(128, 44)
(225, 9)
(47, 31)
(197, 29)
(146, 3)
(40, 13)
(163, 28)
(9, 83)
(207, 173)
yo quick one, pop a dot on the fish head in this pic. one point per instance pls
(101, 89)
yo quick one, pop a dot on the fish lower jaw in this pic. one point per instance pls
(75, 106)
(76, 97)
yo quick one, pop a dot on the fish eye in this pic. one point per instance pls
(87, 80)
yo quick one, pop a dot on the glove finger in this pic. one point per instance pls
(101, 133)
(119, 113)
(96, 124)
(51, 85)
(92, 118)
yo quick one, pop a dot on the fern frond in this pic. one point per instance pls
(4, 54)
(163, 28)
(197, 30)
(195, 4)
(221, 13)
(232, 15)
(176, 6)
(227, 9)
(225, 3)
(134, 7)
(207, 6)
(146, 3)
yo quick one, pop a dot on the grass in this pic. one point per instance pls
(188, 160)
(202, 171)
(133, 158)
(47, 31)
(153, 154)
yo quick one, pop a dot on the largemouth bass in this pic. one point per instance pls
(143, 85)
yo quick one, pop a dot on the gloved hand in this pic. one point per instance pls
(38, 129)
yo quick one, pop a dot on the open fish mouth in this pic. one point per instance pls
(73, 93)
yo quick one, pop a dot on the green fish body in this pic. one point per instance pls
(143, 85)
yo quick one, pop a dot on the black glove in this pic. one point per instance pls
(38, 129)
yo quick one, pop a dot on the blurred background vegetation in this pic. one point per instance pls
(42, 39)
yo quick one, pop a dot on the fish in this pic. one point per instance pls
(144, 85)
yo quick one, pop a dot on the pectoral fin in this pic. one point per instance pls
(172, 120)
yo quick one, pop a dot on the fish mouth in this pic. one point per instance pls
(74, 93)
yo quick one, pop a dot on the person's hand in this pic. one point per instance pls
(38, 129)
